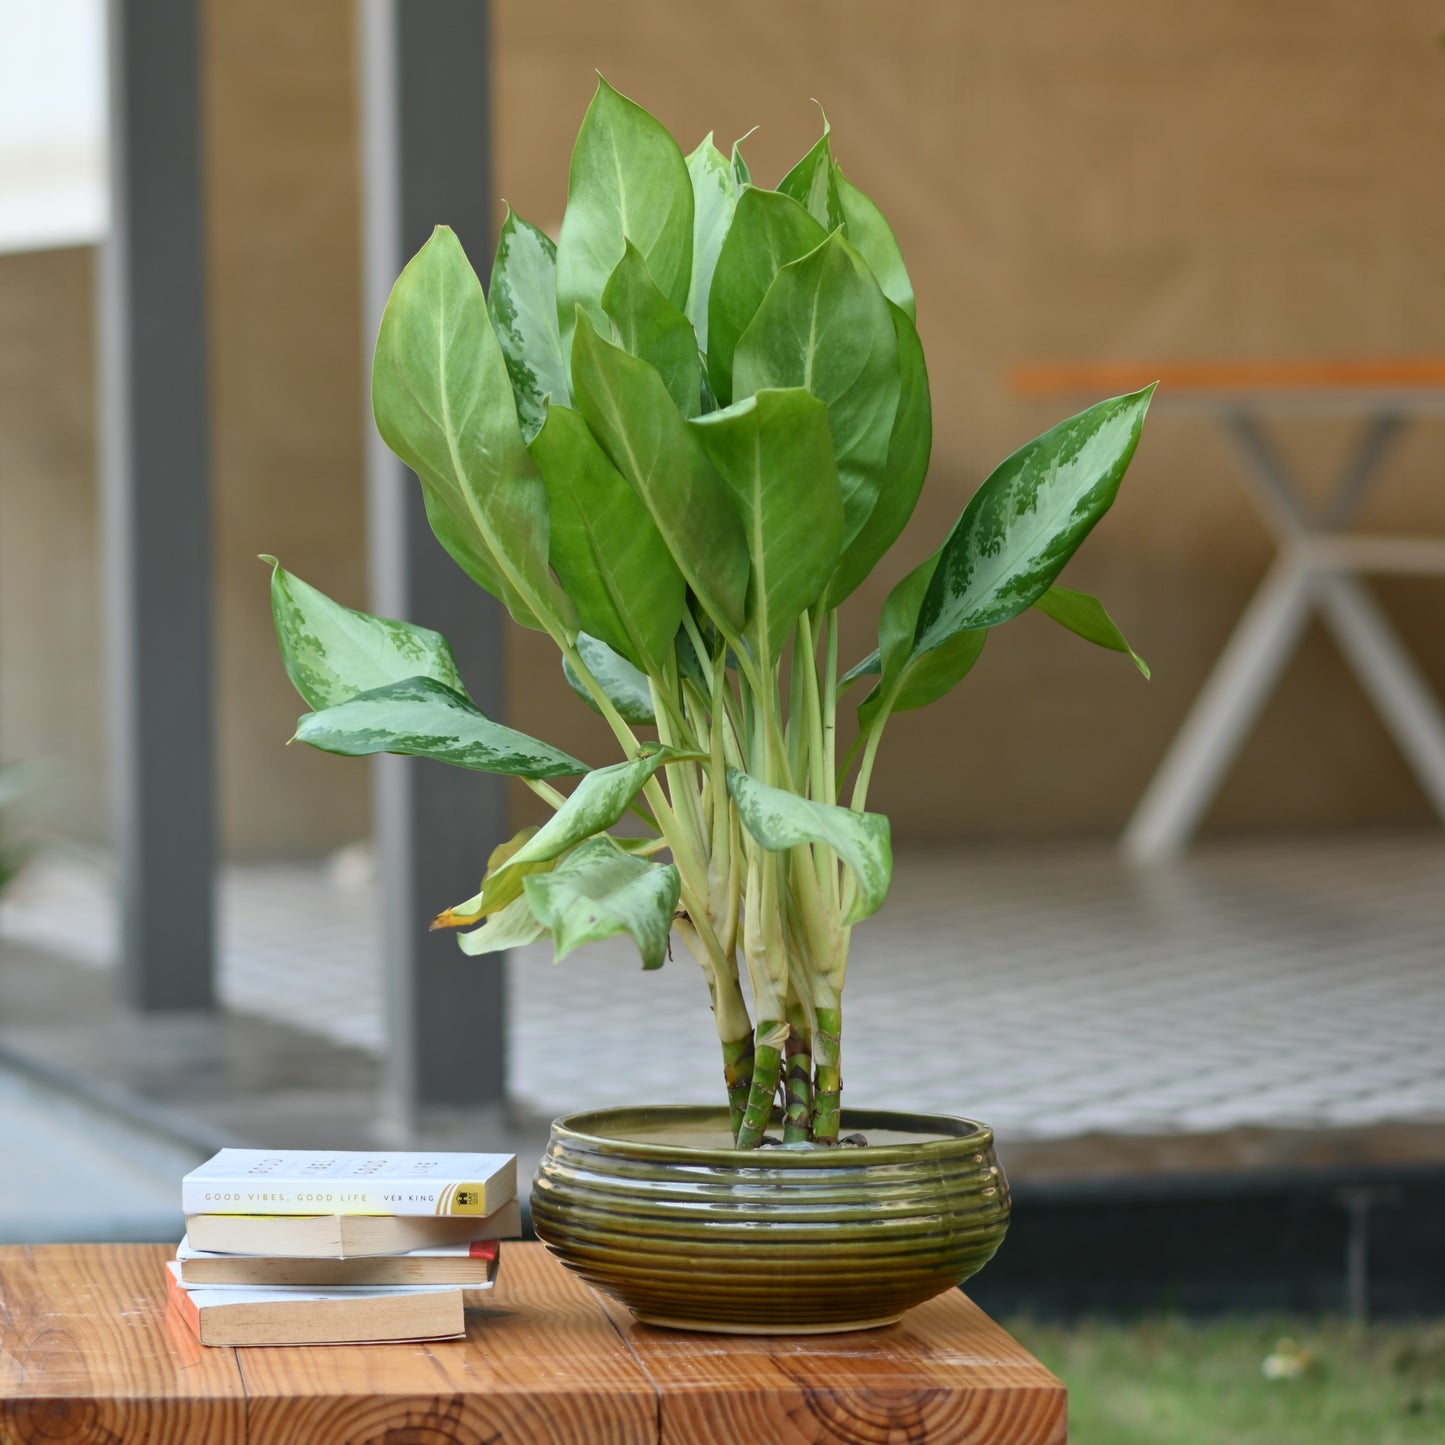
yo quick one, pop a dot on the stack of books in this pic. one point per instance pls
(295, 1247)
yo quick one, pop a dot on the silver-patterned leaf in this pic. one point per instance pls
(780, 820)
(599, 891)
(333, 652)
(625, 686)
(595, 804)
(1026, 521)
(522, 301)
(714, 197)
(423, 718)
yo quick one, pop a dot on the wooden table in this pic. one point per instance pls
(1320, 564)
(89, 1353)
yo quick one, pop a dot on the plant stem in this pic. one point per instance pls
(738, 1075)
(828, 1081)
(546, 792)
(768, 1040)
(798, 1113)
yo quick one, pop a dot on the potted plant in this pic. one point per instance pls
(676, 442)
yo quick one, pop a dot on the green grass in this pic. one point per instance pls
(1166, 1381)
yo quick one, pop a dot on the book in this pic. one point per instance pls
(218, 1315)
(345, 1236)
(472, 1265)
(306, 1181)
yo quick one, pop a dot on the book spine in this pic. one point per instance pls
(326, 1196)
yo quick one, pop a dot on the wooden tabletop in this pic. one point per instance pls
(89, 1353)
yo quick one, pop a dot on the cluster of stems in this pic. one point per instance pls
(724, 703)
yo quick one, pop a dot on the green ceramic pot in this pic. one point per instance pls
(655, 1206)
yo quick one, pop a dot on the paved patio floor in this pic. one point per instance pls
(1287, 983)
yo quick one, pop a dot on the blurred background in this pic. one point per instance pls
(1241, 199)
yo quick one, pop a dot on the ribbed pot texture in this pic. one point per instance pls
(768, 1241)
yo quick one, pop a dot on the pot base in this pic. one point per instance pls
(711, 1327)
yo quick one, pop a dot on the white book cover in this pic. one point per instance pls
(184, 1251)
(303, 1181)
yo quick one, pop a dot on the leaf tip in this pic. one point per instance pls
(268, 559)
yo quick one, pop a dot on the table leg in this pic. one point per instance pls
(1401, 695)
(1229, 703)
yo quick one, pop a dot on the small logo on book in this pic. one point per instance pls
(468, 1196)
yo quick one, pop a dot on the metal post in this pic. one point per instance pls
(427, 159)
(155, 505)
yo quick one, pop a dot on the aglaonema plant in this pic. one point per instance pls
(676, 442)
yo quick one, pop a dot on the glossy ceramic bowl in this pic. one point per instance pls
(655, 1207)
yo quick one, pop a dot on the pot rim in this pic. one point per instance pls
(956, 1135)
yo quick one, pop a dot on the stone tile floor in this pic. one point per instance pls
(1290, 982)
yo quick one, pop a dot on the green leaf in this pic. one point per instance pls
(522, 301)
(443, 402)
(332, 652)
(780, 820)
(500, 885)
(909, 445)
(1085, 616)
(774, 453)
(422, 718)
(629, 412)
(742, 172)
(812, 184)
(625, 686)
(1028, 519)
(870, 232)
(768, 231)
(824, 325)
(600, 891)
(628, 182)
(514, 926)
(596, 803)
(912, 678)
(714, 198)
(871, 666)
(650, 327)
(605, 546)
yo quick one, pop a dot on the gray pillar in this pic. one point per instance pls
(427, 160)
(155, 506)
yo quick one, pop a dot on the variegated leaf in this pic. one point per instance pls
(780, 820)
(423, 718)
(625, 686)
(599, 891)
(1026, 521)
(522, 301)
(714, 198)
(333, 652)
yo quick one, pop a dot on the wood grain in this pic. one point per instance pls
(89, 1354)
(541, 1363)
(945, 1375)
